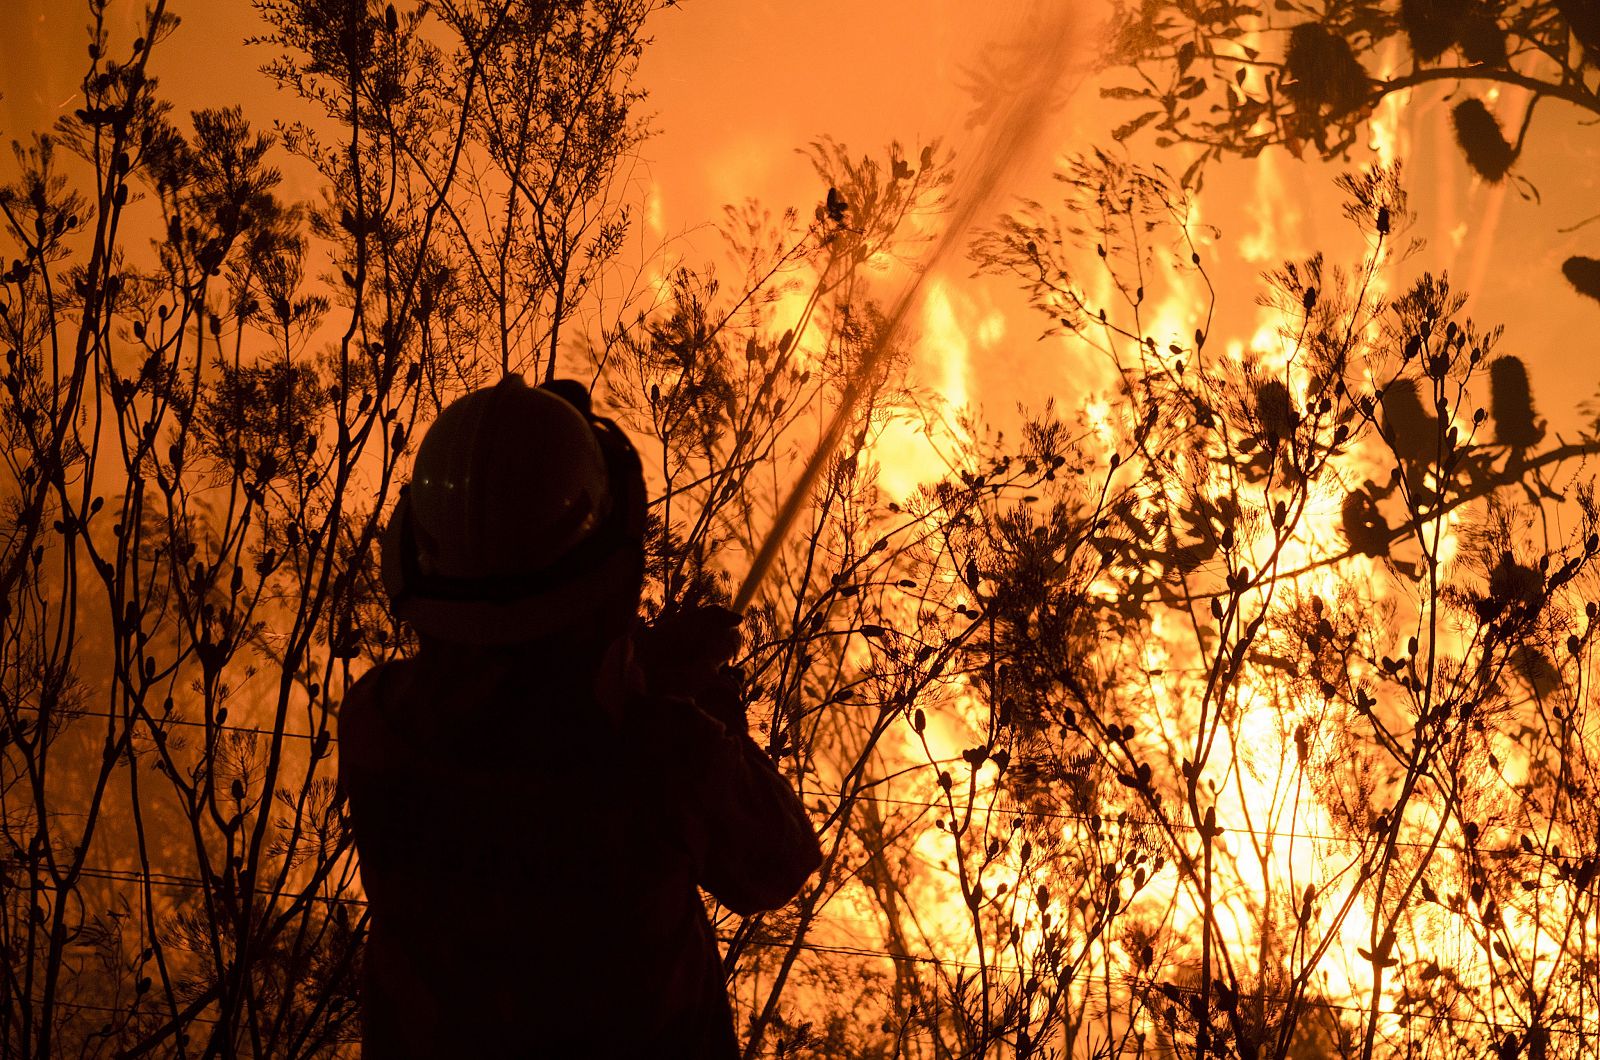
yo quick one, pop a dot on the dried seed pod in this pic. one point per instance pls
(1431, 25)
(1275, 410)
(1406, 424)
(1512, 583)
(1481, 37)
(1364, 526)
(1480, 137)
(1537, 669)
(1584, 275)
(1583, 18)
(1511, 404)
(1324, 72)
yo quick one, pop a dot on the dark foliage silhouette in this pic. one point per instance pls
(1236, 705)
(1241, 78)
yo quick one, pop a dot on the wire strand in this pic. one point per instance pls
(960, 808)
(834, 949)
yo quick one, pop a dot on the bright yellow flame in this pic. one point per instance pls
(945, 342)
(1277, 220)
(655, 211)
(910, 452)
(1387, 127)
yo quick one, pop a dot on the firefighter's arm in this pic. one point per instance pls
(754, 840)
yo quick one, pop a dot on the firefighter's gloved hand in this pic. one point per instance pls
(685, 652)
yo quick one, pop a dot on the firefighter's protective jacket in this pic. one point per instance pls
(531, 850)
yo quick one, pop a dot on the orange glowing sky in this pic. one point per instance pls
(737, 85)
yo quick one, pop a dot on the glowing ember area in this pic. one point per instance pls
(1149, 448)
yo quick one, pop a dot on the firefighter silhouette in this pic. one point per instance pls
(538, 795)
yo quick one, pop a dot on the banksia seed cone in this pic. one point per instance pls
(1364, 526)
(1275, 409)
(1431, 25)
(1537, 668)
(1406, 424)
(1584, 274)
(1511, 404)
(1481, 139)
(1482, 40)
(1512, 583)
(1583, 18)
(1323, 71)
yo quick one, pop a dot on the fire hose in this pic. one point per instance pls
(1043, 53)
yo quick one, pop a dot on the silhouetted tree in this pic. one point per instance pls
(1126, 733)
(1325, 743)
(1239, 78)
(202, 435)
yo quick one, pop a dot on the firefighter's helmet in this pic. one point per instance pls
(524, 513)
